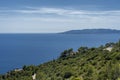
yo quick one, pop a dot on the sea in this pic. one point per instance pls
(17, 50)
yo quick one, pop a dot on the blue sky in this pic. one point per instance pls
(51, 16)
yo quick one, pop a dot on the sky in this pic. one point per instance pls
(53, 16)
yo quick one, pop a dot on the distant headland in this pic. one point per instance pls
(92, 31)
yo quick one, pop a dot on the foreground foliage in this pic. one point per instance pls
(85, 64)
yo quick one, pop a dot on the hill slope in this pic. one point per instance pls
(85, 64)
(91, 31)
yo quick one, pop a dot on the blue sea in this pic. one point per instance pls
(17, 50)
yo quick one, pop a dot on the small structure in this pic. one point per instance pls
(73, 53)
(34, 76)
(109, 49)
(17, 70)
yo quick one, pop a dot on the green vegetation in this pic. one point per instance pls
(85, 64)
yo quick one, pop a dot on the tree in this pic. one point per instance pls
(66, 53)
(111, 44)
(63, 54)
(82, 49)
(70, 50)
(67, 74)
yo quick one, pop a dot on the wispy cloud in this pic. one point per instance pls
(56, 19)
(62, 12)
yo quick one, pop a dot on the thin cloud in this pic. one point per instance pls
(62, 12)
(59, 19)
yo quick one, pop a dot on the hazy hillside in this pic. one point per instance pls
(102, 63)
(91, 31)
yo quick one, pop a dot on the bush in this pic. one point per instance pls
(67, 74)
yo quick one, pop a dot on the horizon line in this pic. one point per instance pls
(56, 32)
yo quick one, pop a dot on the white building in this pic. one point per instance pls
(34, 76)
(109, 48)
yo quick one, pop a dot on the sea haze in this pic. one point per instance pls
(17, 50)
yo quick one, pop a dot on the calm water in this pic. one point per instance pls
(17, 50)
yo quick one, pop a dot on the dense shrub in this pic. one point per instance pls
(85, 64)
(67, 74)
